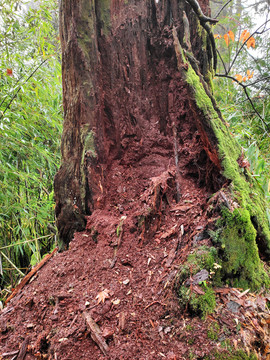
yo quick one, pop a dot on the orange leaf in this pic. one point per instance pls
(103, 295)
(9, 72)
(249, 74)
(231, 35)
(244, 36)
(251, 42)
(227, 40)
(244, 78)
(239, 77)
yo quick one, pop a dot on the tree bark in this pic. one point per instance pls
(137, 81)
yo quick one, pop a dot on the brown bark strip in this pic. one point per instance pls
(96, 333)
(30, 275)
(23, 349)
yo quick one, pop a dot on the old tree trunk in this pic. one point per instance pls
(144, 141)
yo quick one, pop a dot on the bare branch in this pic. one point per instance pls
(197, 9)
(241, 47)
(259, 80)
(222, 8)
(248, 97)
(224, 66)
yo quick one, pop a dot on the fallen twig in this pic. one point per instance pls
(153, 303)
(16, 352)
(30, 275)
(96, 333)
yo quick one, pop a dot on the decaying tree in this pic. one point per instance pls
(140, 116)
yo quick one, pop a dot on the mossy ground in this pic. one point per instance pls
(202, 305)
(234, 355)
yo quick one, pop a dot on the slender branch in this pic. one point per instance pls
(223, 63)
(197, 9)
(247, 95)
(259, 80)
(16, 93)
(241, 47)
(222, 8)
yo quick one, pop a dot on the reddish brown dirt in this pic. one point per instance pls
(131, 260)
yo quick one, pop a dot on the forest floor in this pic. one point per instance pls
(113, 294)
(125, 283)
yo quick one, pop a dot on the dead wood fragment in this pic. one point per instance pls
(23, 349)
(122, 320)
(95, 333)
(10, 353)
(31, 274)
(173, 253)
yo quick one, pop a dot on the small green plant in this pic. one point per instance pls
(213, 332)
(189, 328)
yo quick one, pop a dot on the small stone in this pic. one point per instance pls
(167, 330)
(233, 306)
(125, 282)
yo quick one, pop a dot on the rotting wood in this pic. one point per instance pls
(95, 333)
(31, 274)
(23, 349)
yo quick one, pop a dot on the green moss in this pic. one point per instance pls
(235, 355)
(105, 15)
(208, 77)
(213, 331)
(240, 257)
(203, 304)
(201, 258)
(240, 244)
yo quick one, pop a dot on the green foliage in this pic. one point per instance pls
(202, 258)
(250, 129)
(30, 128)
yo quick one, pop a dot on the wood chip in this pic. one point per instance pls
(95, 333)
(122, 320)
(182, 208)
